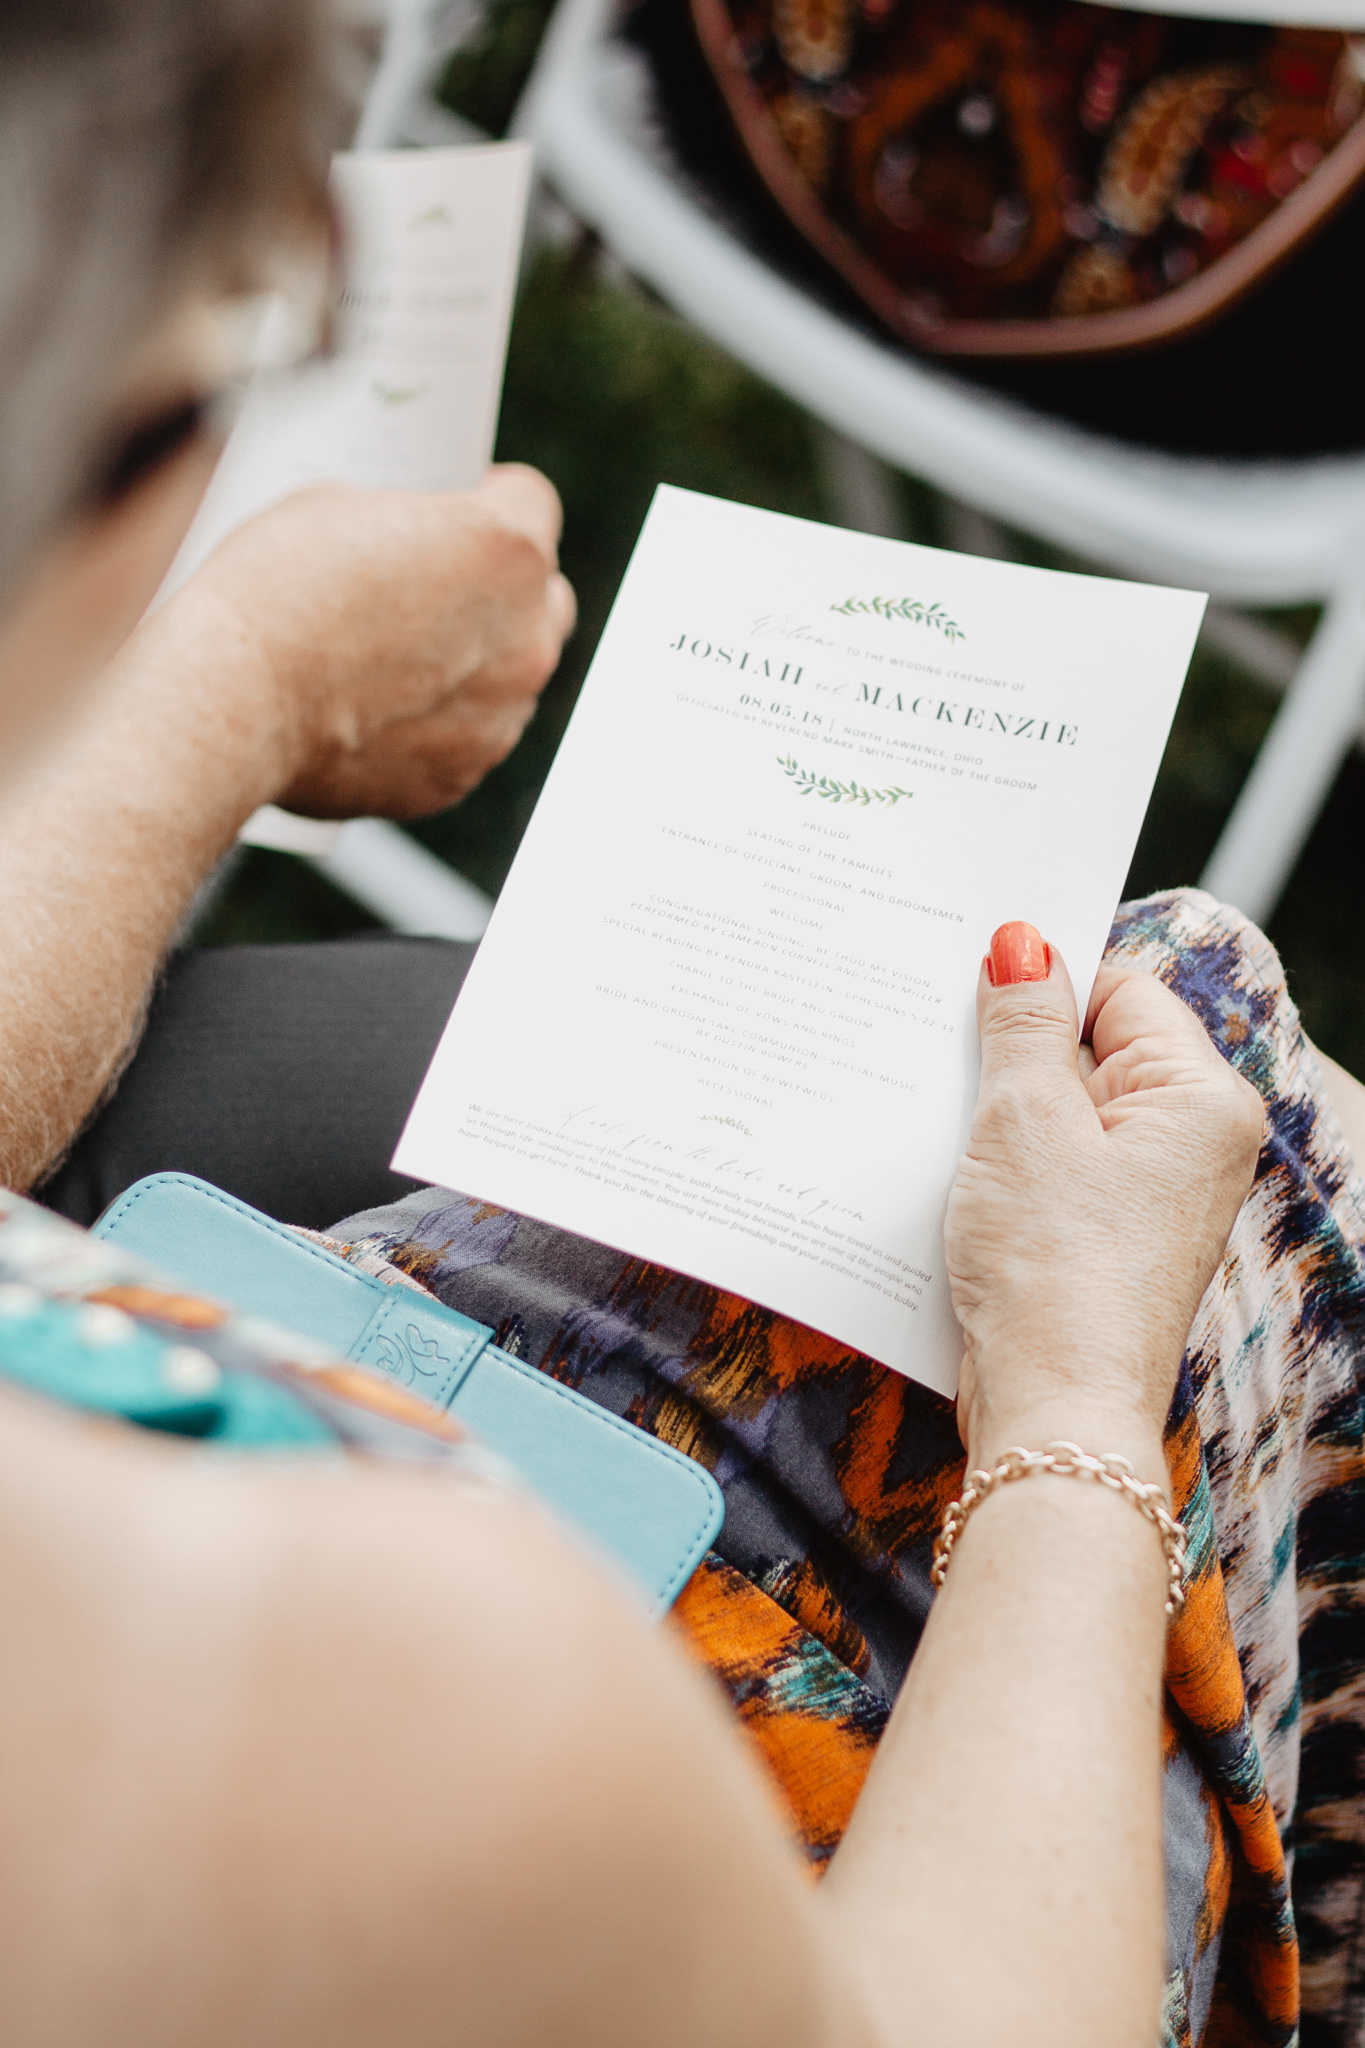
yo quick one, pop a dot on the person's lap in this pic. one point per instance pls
(284, 1074)
(836, 1474)
(280, 1073)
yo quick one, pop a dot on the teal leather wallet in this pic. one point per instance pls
(653, 1510)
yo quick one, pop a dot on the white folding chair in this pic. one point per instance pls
(401, 109)
(1253, 533)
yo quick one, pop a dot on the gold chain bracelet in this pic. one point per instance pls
(1069, 1461)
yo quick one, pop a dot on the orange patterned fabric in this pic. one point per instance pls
(811, 1728)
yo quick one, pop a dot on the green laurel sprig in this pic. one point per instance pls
(808, 783)
(912, 608)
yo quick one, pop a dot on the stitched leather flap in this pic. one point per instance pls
(230, 1251)
(639, 1501)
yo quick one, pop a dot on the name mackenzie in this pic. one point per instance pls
(1013, 724)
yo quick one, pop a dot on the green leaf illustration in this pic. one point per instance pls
(808, 783)
(395, 394)
(911, 608)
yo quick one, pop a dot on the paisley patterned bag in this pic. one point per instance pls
(1039, 178)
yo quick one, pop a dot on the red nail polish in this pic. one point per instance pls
(1019, 953)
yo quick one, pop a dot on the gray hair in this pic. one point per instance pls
(149, 149)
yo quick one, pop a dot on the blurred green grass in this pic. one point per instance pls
(484, 77)
(610, 394)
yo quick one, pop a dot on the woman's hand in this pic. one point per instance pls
(402, 637)
(1092, 1206)
(348, 652)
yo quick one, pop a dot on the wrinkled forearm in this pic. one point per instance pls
(103, 844)
(1001, 1879)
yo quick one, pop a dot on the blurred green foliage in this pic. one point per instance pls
(484, 77)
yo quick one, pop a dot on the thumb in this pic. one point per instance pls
(1025, 1010)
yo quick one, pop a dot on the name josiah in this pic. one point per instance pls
(941, 710)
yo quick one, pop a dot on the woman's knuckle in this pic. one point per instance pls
(1245, 1105)
(1023, 1010)
(1254, 1121)
(1007, 1105)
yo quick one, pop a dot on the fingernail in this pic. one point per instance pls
(1018, 953)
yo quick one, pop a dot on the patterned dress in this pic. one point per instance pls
(836, 1473)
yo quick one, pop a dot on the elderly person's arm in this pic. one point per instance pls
(348, 653)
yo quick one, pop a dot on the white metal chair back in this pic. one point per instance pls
(1261, 533)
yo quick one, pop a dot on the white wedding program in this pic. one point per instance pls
(724, 1015)
(409, 399)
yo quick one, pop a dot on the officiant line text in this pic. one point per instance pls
(906, 753)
